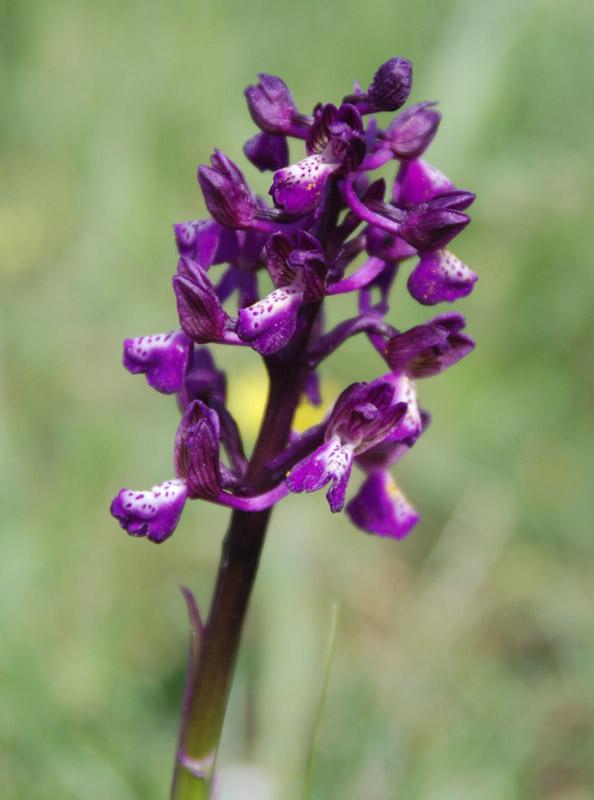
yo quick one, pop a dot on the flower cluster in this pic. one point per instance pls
(330, 229)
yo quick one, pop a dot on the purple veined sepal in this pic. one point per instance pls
(388, 91)
(206, 425)
(201, 315)
(153, 514)
(363, 415)
(227, 195)
(267, 151)
(381, 508)
(299, 273)
(335, 146)
(273, 109)
(429, 349)
(163, 357)
(434, 224)
(440, 277)
(196, 451)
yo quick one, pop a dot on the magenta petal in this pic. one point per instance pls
(162, 357)
(269, 324)
(153, 513)
(380, 507)
(440, 277)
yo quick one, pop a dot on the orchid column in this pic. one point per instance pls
(331, 230)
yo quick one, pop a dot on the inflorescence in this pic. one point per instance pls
(326, 213)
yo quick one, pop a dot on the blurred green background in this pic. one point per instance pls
(465, 654)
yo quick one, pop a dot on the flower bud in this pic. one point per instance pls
(411, 133)
(389, 89)
(226, 193)
(271, 104)
(200, 312)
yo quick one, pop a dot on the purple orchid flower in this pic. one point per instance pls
(335, 146)
(299, 275)
(333, 229)
(363, 416)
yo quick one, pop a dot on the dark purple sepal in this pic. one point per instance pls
(269, 324)
(314, 271)
(433, 225)
(202, 381)
(278, 249)
(380, 507)
(429, 349)
(153, 513)
(200, 312)
(162, 357)
(271, 105)
(227, 195)
(412, 131)
(196, 451)
(267, 151)
(440, 277)
(389, 89)
(206, 242)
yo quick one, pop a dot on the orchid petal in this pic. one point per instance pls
(380, 507)
(162, 357)
(154, 513)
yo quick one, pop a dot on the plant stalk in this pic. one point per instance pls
(210, 677)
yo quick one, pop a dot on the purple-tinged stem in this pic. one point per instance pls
(210, 679)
